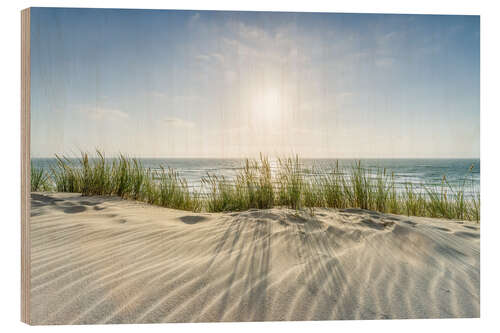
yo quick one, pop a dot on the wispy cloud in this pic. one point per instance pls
(249, 32)
(165, 96)
(243, 43)
(157, 93)
(384, 62)
(212, 57)
(202, 57)
(178, 122)
(194, 18)
(98, 113)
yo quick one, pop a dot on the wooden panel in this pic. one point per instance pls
(25, 165)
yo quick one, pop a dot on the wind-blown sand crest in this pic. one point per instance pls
(107, 260)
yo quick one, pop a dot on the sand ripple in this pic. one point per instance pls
(106, 260)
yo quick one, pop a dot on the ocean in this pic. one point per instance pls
(416, 171)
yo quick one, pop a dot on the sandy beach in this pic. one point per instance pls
(108, 260)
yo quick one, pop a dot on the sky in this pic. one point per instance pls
(159, 83)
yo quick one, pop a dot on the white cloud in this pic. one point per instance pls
(156, 93)
(218, 56)
(203, 57)
(186, 98)
(248, 47)
(384, 62)
(178, 122)
(175, 99)
(249, 32)
(98, 113)
(215, 57)
(194, 18)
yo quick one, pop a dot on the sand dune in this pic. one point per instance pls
(107, 260)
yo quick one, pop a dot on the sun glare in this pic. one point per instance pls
(267, 106)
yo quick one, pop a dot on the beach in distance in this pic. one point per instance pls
(108, 260)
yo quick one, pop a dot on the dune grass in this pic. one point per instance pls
(258, 186)
(124, 177)
(39, 179)
(252, 188)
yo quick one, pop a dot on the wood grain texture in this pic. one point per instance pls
(25, 166)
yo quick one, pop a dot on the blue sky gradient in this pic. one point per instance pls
(159, 83)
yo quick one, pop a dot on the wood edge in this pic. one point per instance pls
(25, 166)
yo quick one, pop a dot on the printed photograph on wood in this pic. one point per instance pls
(213, 166)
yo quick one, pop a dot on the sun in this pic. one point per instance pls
(267, 106)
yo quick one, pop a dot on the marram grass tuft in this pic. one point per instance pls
(258, 186)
